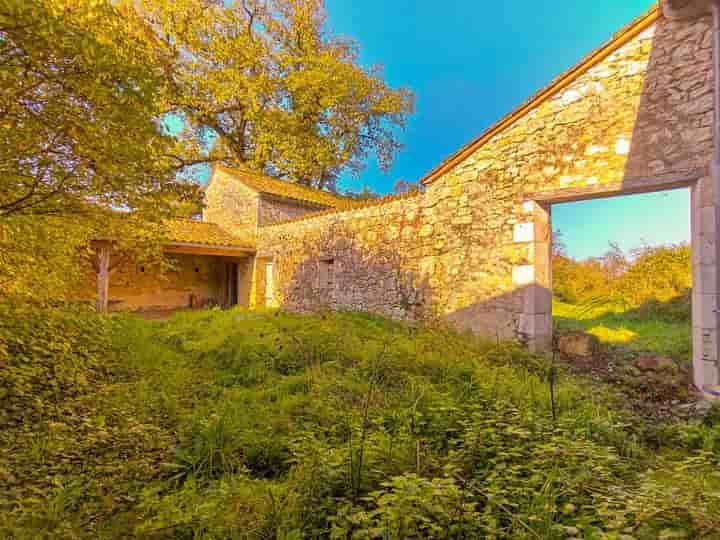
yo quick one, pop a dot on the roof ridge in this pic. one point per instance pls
(618, 40)
(240, 172)
(180, 218)
(368, 203)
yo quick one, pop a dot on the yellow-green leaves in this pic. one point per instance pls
(276, 89)
(80, 97)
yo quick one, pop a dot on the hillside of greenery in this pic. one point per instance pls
(264, 425)
(639, 300)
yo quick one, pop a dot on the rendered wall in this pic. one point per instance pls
(137, 288)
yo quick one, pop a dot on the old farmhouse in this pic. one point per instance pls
(473, 247)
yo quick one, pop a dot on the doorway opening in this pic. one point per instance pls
(231, 284)
(622, 273)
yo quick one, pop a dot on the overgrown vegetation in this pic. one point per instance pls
(640, 300)
(112, 110)
(236, 424)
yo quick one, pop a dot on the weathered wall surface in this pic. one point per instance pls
(472, 249)
(673, 131)
(368, 259)
(275, 209)
(134, 287)
(234, 206)
(231, 204)
(644, 112)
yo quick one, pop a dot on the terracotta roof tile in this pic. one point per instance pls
(290, 190)
(199, 232)
(367, 203)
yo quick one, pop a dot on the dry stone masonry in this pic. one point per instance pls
(473, 248)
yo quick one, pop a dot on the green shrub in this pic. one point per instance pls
(411, 507)
(651, 275)
(47, 353)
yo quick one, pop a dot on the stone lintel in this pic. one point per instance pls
(523, 275)
(524, 232)
(629, 186)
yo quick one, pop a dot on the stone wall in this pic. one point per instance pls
(366, 259)
(644, 112)
(274, 209)
(231, 204)
(234, 206)
(474, 248)
(673, 131)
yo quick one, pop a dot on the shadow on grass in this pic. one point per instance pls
(662, 328)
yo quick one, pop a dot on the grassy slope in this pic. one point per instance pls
(613, 325)
(264, 425)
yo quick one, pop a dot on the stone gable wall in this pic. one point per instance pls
(274, 209)
(473, 249)
(373, 253)
(645, 112)
(234, 206)
(231, 204)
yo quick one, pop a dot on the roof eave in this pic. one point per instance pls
(198, 248)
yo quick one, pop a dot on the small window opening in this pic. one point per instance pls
(327, 275)
(142, 269)
(197, 270)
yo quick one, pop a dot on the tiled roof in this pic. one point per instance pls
(290, 190)
(621, 38)
(188, 231)
(367, 203)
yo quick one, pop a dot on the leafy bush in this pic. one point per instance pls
(409, 507)
(46, 355)
(652, 275)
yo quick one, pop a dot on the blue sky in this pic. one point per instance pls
(471, 62)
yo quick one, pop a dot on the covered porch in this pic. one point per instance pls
(208, 268)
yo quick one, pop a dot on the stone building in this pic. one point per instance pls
(473, 247)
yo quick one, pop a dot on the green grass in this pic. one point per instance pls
(618, 325)
(258, 425)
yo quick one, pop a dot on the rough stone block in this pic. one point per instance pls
(524, 232)
(708, 279)
(706, 374)
(704, 309)
(578, 344)
(705, 344)
(708, 221)
(523, 275)
(536, 325)
(537, 299)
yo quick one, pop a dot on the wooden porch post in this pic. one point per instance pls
(102, 269)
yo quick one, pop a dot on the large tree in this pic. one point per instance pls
(262, 82)
(79, 109)
(82, 151)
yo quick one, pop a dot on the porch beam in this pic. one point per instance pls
(205, 249)
(102, 269)
(630, 186)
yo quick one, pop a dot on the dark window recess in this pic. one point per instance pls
(197, 270)
(142, 269)
(327, 275)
